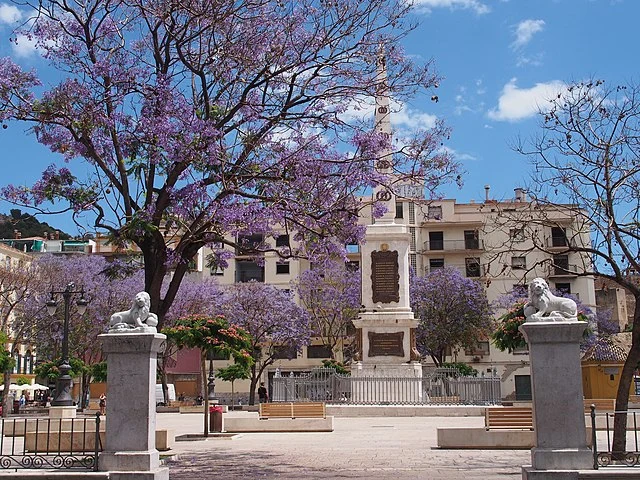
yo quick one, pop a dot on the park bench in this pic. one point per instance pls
(513, 418)
(602, 404)
(293, 410)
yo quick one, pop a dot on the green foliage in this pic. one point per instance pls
(27, 224)
(507, 336)
(22, 381)
(51, 369)
(6, 360)
(233, 372)
(463, 369)
(337, 366)
(212, 334)
(99, 371)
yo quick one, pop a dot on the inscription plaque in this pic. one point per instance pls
(386, 344)
(385, 279)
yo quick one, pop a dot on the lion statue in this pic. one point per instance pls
(545, 306)
(137, 317)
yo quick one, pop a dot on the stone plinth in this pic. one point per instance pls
(131, 381)
(63, 412)
(558, 409)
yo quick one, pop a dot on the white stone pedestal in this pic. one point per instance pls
(558, 409)
(63, 412)
(129, 450)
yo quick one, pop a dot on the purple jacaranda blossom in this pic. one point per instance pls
(230, 119)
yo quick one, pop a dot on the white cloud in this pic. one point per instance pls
(458, 155)
(24, 46)
(402, 117)
(9, 14)
(525, 32)
(425, 6)
(519, 103)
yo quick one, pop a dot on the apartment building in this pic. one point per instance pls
(24, 355)
(465, 236)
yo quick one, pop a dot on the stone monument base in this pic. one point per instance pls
(561, 458)
(63, 412)
(529, 473)
(159, 474)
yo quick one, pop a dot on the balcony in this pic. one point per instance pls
(452, 245)
(475, 270)
(559, 243)
(560, 270)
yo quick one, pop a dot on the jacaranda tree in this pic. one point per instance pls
(278, 327)
(188, 123)
(453, 310)
(330, 293)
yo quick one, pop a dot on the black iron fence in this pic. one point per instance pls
(602, 439)
(440, 386)
(50, 443)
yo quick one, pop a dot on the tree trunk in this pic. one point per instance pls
(626, 379)
(252, 386)
(6, 404)
(203, 374)
(233, 402)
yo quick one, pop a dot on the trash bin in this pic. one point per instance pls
(16, 407)
(215, 419)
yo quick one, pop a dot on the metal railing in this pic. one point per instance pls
(453, 245)
(441, 386)
(50, 443)
(603, 423)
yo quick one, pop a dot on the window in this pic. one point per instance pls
(519, 263)
(436, 263)
(561, 264)
(516, 235)
(283, 352)
(434, 212)
(353, 248)
(248, 243)
(412, 213)
(472, 267)
(471, 240)
(399, 210)
(353, 266)
(282, 241)
(481, 348)
(523, 387)
(558, 237)
(564, 288)
(216, 271)
(318, 351)
(436, 241)
(282, 268)
(247, 270)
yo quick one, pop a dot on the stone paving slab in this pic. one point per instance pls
(398, 448)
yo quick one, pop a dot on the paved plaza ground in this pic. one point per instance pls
(397, 448)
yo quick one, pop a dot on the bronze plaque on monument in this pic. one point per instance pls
(385, 279)
(386, 344)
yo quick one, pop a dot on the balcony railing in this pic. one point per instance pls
(563, 270)
(558, 242)
(453, 245)
(471, 271)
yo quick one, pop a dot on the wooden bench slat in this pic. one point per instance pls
(520, 418)
(293, 410)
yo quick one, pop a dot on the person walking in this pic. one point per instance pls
(103, 404)
(262, 393)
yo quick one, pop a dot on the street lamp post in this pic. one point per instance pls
(63, 384)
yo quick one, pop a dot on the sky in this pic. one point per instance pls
(499, 59)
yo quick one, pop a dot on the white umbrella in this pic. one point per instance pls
(35, 387)
(13, 386)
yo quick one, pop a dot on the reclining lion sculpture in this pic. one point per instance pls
(544, 306)
(138, 317)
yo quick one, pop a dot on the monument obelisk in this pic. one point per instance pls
(386, 327)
